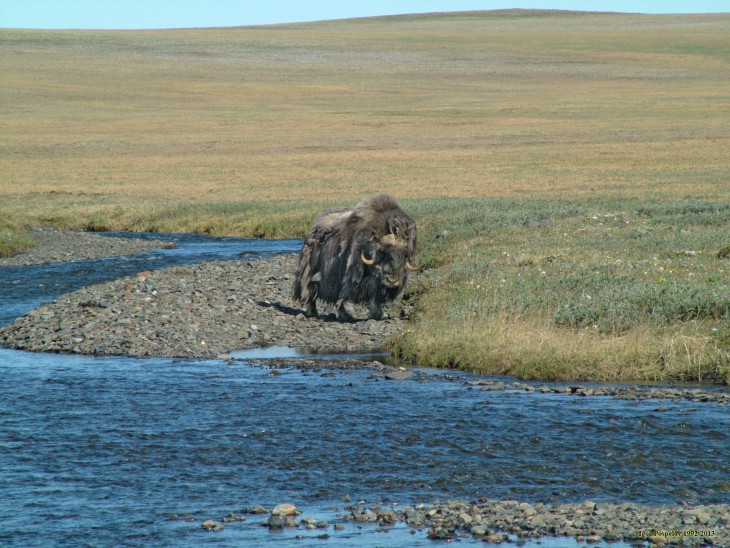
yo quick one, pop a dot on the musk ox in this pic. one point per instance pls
(359, 254)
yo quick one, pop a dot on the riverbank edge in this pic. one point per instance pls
(50, 245)
(502, 521)
(630, 392)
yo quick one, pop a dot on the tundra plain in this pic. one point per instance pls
(569, 171)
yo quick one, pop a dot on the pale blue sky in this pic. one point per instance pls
(145, 14)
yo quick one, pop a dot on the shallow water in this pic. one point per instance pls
(100, 451)
(23, 288)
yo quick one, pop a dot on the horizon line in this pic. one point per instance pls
(385, 16)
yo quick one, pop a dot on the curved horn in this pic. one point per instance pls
(366, 261)
(410, 267)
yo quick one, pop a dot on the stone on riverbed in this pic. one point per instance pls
(591, 522)
(211, 525)
(285, 509)
(232, 517)
(400, 374)
(276, 522)
(497, 521)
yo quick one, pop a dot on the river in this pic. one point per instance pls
(102, 451)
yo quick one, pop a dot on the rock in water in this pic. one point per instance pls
(211, 525)
(400, 374)
(285, 509)
(276, 522)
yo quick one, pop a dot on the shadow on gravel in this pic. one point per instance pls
(325, 316)
(288, 310)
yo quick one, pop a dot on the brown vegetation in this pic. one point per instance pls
(125, 125)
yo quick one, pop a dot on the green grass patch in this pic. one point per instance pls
(572, 289)
(270, 219)
(13, 236)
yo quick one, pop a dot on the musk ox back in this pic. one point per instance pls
(359, 254)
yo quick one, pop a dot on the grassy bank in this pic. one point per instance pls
(13, 236)
(603, 289)
(576, 161)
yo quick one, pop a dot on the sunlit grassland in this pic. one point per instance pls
(478, 122)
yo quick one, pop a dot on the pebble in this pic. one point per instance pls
(234, 517)
(285, 509)
(400, 374)
(211, 525)
(276, 522)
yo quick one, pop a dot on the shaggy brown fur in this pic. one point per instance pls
(334, 264)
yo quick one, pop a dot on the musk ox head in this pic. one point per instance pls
(360, 254)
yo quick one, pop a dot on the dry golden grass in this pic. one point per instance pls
(479, 104)
(533, 348)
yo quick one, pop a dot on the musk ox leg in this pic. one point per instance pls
(311, 311)
(343, 314)
(376, 312)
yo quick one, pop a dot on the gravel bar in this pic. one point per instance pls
(493, 521)
(204, 310)
(504, 521)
